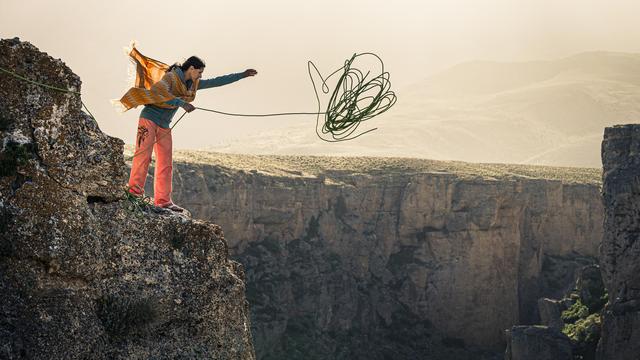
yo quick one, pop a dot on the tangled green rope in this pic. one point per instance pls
(354, 100)
(136, 204)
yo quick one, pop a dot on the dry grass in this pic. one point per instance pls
(312, 166)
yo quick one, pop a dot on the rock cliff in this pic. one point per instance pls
(620, 256)
(367, 258)
(80, 276)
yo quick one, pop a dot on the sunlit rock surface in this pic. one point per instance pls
(81, 277)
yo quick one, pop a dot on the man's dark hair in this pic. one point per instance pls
(194, 61)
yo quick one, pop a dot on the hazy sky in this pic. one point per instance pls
(278, 37)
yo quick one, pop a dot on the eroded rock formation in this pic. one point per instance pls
(621, 243)
(80, 276)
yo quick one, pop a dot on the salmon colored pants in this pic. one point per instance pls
(152, 137)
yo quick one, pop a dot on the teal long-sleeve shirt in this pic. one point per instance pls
(162, 117)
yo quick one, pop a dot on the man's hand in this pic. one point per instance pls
(188, 107)
(250, 72)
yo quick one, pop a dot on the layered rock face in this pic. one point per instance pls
(82, 277)
(397, 258)
(621, 244)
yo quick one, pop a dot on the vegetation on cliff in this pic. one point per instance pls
(583, 317)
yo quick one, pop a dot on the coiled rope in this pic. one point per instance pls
(353, 101)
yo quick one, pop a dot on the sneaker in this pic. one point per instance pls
(172, 207)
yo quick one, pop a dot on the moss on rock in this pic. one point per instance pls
(13, 156)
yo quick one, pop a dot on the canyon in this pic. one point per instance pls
(393, 257)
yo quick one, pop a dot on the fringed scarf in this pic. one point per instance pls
(154, 85)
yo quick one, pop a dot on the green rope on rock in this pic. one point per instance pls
(48, 87)
(136, 204)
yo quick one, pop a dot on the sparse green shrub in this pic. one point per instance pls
(577, 311)
(584, 330)
(584, 335)
(13, 156)
(583, 327)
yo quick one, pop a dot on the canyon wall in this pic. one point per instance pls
(620, 256)
(349, 257)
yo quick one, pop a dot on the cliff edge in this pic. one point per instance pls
(80, 275)
(620, 253)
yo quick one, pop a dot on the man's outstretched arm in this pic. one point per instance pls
(225, 79)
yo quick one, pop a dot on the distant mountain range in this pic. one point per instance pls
(539, 112)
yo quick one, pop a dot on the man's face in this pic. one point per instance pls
(194, 74)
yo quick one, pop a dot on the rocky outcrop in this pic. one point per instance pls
(550, 313)
(620, 256)
(80, 275)
(537, 342)
(366, 258)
